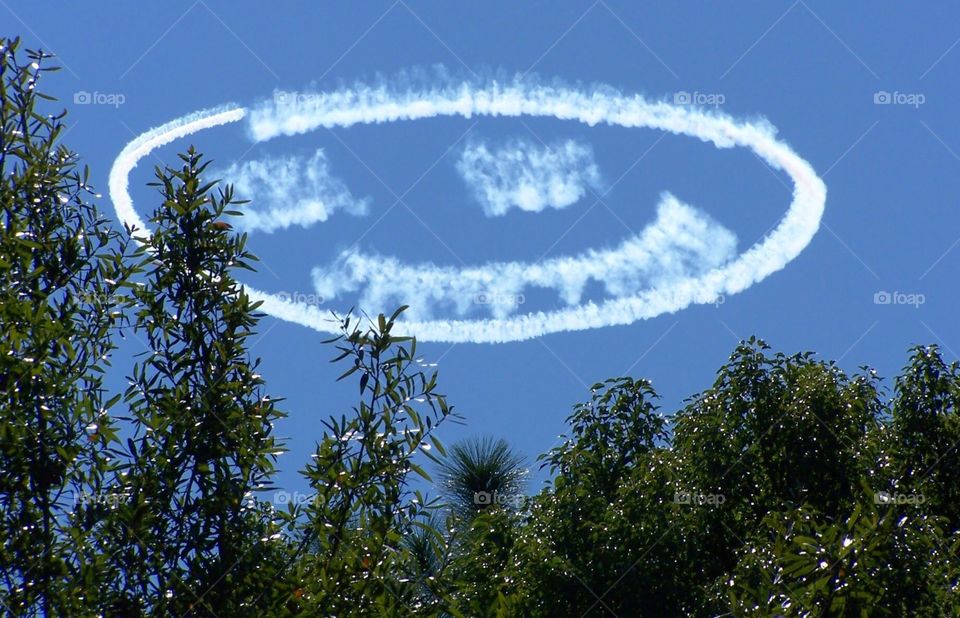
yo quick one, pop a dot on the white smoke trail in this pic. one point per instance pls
(527, 175)
(680, 243)
(299, 192)
(363, 104)
(145, 143)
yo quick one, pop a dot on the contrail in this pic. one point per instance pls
(304, 192)
(144, 144)
(706, 274)
(681, 242)
(528, 176)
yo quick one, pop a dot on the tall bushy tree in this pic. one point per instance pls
(61, 272)
(783, 430)
(189, 532)
(585, 544)
(773, 433)
(481, 472)
(926, 431)
(352, 559)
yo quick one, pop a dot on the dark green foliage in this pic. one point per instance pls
(787, 488)
(62, 271)
(926, 432)
(189, 533)
(774, 433)
(595, 541)
(480, 473)
(352, 550)
(156, 510)
(876, 561)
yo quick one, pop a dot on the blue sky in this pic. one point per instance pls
(867, 97)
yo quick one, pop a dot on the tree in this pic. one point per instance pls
(62, 271)
(187, 533)
(772, 434)
(479, 473)
(577, 553)
(351, 554)
(482, 481)
(926, 432)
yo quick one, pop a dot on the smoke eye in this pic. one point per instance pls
(527, 175)
(289, 192)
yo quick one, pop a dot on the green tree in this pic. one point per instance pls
(577, 552)
(187, 533)
(483, 482)
(926, 432)
(480, 472)
(773, 433)
(62, 271)
(352, 557)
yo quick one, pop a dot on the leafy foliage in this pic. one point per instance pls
(788, 488)
(480, 473)
(61, 273)
(363, 509)
(190, 535)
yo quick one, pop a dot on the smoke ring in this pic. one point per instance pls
(290, 115)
